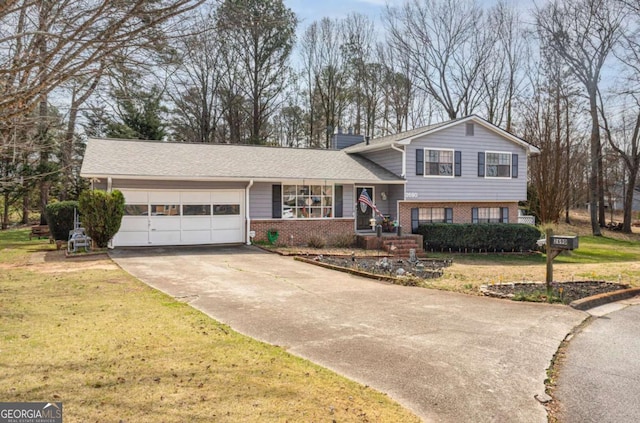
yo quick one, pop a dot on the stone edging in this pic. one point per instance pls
(350, 271)
(86, 254)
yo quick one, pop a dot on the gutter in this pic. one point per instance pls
(246, 201)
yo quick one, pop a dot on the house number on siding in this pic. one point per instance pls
(411, 195)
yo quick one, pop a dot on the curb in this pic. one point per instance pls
(600, 299)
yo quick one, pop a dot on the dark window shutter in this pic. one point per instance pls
(505, 215)
(414, 220)
(474, 215)
(337, 207)
(448, 215)
(420, 161)
(458, 163)
(276, 201)
(514, 165)
(481, 164)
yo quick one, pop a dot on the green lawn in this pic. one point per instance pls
(110, 348)
(592, 250)
(597, 258)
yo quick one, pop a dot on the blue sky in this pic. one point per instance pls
(311, 10)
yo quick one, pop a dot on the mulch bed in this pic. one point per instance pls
(566, 292)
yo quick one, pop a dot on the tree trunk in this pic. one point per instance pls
(595, 164)
(67, 149)
(628, 201)
(567, 165)
(601, 210)
(25, 205)
(5, 211)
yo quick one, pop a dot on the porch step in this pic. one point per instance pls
(396, 245)
(401, 246)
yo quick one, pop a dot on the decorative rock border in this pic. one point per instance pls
(577, 292)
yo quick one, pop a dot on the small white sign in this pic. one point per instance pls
(252, 234)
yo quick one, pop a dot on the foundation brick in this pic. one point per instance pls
(299, 231)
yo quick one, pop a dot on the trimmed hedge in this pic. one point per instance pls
(60, 218)
(499, 237)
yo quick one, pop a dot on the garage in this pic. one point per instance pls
(181, 218)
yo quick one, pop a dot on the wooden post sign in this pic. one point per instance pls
(556, 245)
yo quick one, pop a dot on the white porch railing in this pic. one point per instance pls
(527, 220)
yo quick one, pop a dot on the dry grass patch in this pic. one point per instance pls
(112, 349)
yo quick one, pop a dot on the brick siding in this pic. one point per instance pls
(299, 231)
(461, 211)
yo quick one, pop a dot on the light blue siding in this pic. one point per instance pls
(260, 203)
(389, 159)
(260, 200)
(348, 201)
(468, 186)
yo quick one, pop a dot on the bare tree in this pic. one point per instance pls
(71, 41)
(398, 89)
(625, 140)
(327, 75)
(196, 83)
(257, 36)
(502, 80)
(447, 45)
(357, 49)
(45, 44)
(547, 124)
(584, 33)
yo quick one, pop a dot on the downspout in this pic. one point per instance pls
(246, 202)
(404, 176)
(109, 188)
(404, 159)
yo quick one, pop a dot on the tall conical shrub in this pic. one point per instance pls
(101, 214)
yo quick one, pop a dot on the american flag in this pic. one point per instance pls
(366, 199)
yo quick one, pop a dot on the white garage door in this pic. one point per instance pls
(181, 218)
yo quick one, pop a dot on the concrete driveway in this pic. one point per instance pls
(600, 375)
(448, 357)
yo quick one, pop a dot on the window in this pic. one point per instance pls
(226, 209)
(498, 165)
(425, 215)
(196, 210)
(307, 201)
(490, 215)
(165, 210)
(438, 162)
(136, 210)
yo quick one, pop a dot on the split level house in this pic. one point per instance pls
(461, 171)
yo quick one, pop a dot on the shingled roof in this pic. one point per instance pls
(405, 137)
(166, 160)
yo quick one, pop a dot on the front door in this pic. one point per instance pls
(363, 212)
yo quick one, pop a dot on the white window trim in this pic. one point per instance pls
(453, 163)
(486, 163)
(333, 202)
